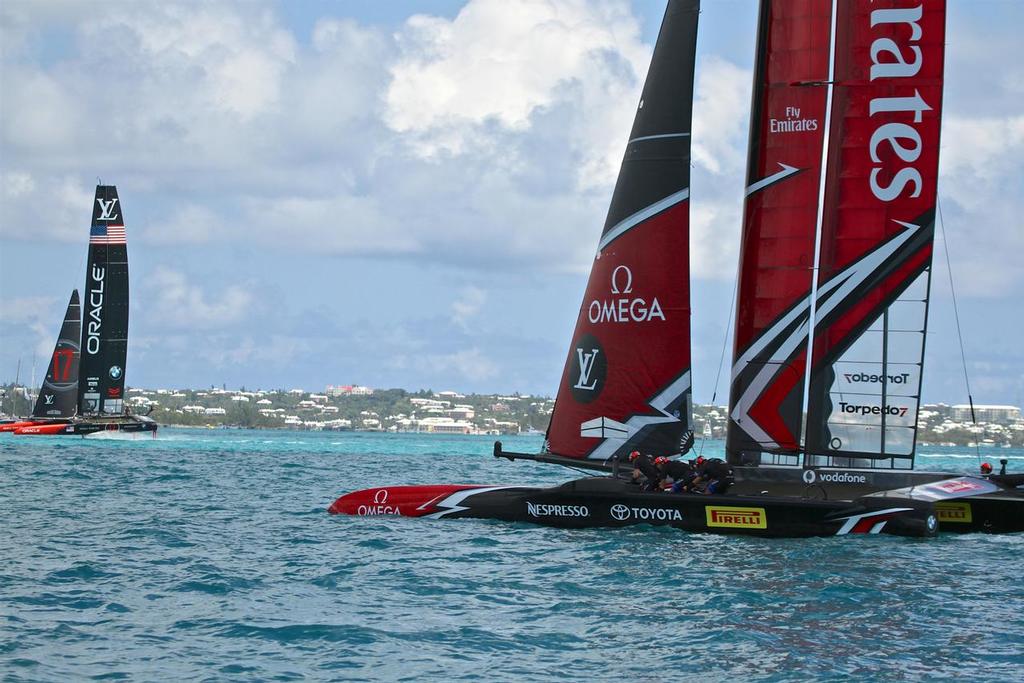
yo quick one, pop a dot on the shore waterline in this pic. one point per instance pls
(209, 554)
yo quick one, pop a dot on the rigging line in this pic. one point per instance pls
(819, 223)
(721, 359)
(956, 317)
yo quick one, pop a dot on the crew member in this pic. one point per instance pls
(986, 469)
(644, 471)
(679, 471)
(713, 476)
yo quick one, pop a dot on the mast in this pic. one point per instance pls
(58, 396)
(104, 346)
(626, 381)
(877, 232)
(774, 293)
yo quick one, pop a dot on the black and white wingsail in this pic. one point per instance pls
(105, 325)
(58, 397)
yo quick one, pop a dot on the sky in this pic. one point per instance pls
(409, 194)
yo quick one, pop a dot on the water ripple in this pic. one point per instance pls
(208, 555)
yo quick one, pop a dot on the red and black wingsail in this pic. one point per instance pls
(877, 229)
(104, 346)
(787, 130)
(58, 396)
(626, 382)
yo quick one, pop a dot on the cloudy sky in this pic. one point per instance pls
(408, 194)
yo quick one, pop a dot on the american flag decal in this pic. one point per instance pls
(107, 234)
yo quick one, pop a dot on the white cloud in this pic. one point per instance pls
(27, 309)
(498, 67)
(179, 303)
(470, 364)
(189, 224)
(50, 207)
(720, 116)
(469, 303)
(980, 188)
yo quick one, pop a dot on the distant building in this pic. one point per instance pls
(347, 390)
(1002, 414)
(444, 425)
(449, 394)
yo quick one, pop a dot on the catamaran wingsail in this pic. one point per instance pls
(861, 93)
(59, 394)
(95, 351)
(57, 400)
(638, 294)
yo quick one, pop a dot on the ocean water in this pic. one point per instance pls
(209, 555)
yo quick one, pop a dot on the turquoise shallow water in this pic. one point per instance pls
(209, 555)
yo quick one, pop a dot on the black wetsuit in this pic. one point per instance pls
(681, 473)
(715, 475)
(650, 472)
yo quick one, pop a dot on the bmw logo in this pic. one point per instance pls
(620, 512)
(932, 523)
(115, 371)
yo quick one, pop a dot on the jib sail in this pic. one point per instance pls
(104, 346)
(787, 129)
(58, 396)
(877, 229)
(626, 382)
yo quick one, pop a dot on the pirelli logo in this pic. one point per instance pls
(736, 518)
(954, 512)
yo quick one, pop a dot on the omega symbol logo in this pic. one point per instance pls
(380, 497)
(624, 276)
(620, 512)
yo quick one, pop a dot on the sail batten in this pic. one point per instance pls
(626, 382)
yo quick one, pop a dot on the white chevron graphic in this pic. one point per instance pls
(660, 402)
(772, 179)
(830, 296)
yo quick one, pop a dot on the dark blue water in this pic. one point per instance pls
(209, 555)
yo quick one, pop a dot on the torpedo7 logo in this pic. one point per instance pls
(855, 409)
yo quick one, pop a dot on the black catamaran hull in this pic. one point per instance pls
(610, 502)
(963, 503)
(85, 427)
(999, 511)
